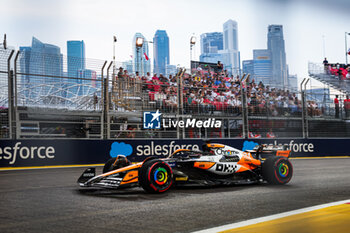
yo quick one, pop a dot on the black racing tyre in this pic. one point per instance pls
(115, 163)
(155, 176)
(277, 170)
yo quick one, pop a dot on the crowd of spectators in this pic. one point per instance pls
(218, 93)
(340, 71)
(206, 92)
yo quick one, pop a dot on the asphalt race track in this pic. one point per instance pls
(49, 200)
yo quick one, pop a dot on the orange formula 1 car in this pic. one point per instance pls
(217, 164)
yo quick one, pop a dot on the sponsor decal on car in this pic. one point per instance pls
(225, 167)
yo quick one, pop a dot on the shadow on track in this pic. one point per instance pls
(138, 193)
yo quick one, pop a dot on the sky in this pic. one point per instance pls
(312, 28)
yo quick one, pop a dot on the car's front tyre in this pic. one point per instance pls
(155, 176)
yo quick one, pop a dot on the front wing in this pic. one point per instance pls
(126, 176)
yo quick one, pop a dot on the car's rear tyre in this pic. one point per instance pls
(115, 163)
(155, 176)
(277, 170)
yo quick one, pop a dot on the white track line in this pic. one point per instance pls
(270, 217)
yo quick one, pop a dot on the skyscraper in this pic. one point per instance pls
(24, 62)
(141, 64)
(231, 57)
(25, 58)
(76, 68)
(260, 68)
(76, 57)
(161, 51)
(275, 44)
(44, 63)
(45, 59)
(211, 42)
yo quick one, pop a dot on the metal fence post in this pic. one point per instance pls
(102, 100)
(245, 127)
(305, 115)
(15, 117)
(303, 108)
(106, 106)
(10, 95)
(179, 86)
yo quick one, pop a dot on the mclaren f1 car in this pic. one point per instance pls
(216, 164)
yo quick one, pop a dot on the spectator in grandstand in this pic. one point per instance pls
(126, 74)
(131, 132)
(232, 105)
(336, 105)
(270, 134)
(325, 62)
(120, 73)
(173, 81)
(313, 109)
(220, 66)
(347, 106)
(163, 79)
(155, 77)
(171, 102)
(148, 77)
(95, 101)
(252, 135)
(340, 74)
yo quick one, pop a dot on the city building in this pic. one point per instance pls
(211, 42)
(44, 63)
(211, 57)
(128, 65)
(222, 46)
(230, 53)
(269, 65)
(321, 95)
(275, 44)
(161, 51)
(45, 59)
(293, 82)
(211, 45)
(87, 83)
(76, 68)
(171, 69)
(24, 62)
(141, 60)
(260, 68)
(248, 67)
(75, 57)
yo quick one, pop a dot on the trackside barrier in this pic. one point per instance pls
(26, 153)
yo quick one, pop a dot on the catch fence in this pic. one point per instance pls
(53, 96)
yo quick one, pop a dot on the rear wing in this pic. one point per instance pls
(264, 150)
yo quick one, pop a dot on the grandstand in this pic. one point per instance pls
(107, 104)
(334, 75)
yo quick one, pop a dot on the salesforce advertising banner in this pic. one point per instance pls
(22, 153)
